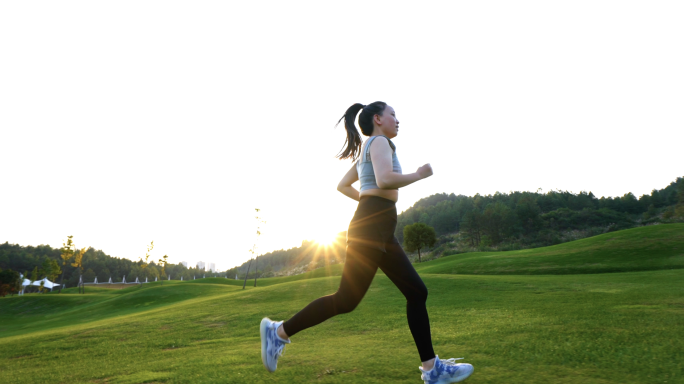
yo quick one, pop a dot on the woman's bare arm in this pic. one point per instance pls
(345, 185)
(381, 156)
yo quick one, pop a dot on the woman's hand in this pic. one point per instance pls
(425, 171)
(381, 156)
(345, 185)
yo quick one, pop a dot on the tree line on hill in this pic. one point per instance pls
(531, 219)
(36, 262)
(310, 255)
(42, 261)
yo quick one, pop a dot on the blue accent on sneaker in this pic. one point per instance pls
(272, 346)
(446, 372)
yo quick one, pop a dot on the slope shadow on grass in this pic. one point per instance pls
(26, 314)
(331, 270)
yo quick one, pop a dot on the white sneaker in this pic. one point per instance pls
(272, 346)
(446, 371)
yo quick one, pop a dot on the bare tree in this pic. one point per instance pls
(146, 263)
(163, 261)
(253, 250)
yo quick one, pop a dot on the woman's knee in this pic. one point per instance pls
(345, 304)
(419, 294)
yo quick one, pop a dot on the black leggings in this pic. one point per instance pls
(371, 244)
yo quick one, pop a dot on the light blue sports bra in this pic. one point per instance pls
(364, 166)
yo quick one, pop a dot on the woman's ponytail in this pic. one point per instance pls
(352, 144)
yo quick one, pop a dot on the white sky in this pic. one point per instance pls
(126, 122)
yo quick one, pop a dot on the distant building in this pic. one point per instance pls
(185, 263)
(200, 265)
(211, 267)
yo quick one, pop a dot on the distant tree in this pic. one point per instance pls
(89, 275)
(145, 263)
(78, 263)
(656, 199)
(498, 222)
(4, 286)
(10, 282)
(472, 226)
(417, 236)
(34, 275)
(629, 203)
(679, 209)
(26, 276)
(51, 269)
(650, 212)
(152, 271)
(528, 213)
(163, 261)
(582, 200)
(253, 250)
(67, 253)
(104, 274)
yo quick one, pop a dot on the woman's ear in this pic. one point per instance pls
(377, 119)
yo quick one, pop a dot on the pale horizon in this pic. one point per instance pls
(194, 264)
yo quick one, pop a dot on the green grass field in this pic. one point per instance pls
(547, 315)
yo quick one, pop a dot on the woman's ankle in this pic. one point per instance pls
(281, 333)
(428, 365)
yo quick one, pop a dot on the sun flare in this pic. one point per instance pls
(325, 239)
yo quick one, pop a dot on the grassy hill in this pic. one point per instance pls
(495, 309)
(638, 249)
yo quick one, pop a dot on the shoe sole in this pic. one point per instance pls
(457, 379)
(265, 322)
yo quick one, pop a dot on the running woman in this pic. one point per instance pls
(371, 245)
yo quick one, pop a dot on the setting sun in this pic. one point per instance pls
(325, 238)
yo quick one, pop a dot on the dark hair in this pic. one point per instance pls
(352, 144)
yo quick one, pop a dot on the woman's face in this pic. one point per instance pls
(387, 124)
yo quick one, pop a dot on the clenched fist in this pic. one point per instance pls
(424, 171)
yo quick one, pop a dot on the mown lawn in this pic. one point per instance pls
(625, 327)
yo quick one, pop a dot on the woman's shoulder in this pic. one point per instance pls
(382, 140)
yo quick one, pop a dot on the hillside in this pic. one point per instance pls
(638, 249)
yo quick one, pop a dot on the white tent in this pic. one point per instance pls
(46, 283)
